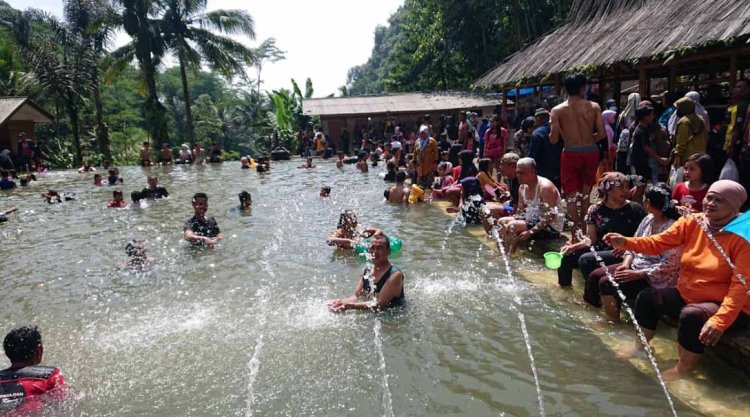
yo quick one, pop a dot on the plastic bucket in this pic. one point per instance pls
(416, 194)
(553, 260)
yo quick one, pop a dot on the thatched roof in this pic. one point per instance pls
(396, 103)
(21, 108)
(600, 32)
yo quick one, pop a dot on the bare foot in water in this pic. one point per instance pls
(628, 353)
(673, 374)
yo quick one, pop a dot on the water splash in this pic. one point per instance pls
(253, 367)
(387, 398)
(718, 247)
(631, 314)
(522, 320)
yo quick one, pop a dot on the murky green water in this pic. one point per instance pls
(243, 330)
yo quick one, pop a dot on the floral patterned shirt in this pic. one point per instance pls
(662, 269)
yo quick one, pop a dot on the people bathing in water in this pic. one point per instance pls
(146, 154)
(346, 234)
(165, 154)
(86, 168)
(709, 299)
(399, 193)
(7, 183)
(25, 384)
(136, 251)
(387, 279)
(540, 213)
(201, 230)
(117, 200)
(637, 271)
(136, 198)
(362, 162)
(98, 180)
(52, 197)
(154, 191)
(325, 191)
(246, 201)
(244, 163)
(4, 214)
(308, 163)
(114, 177)
(340, 160)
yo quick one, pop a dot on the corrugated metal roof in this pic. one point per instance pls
(608, 31)
(21, 108)
(397, 103)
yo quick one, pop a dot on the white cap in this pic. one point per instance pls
(395, 145)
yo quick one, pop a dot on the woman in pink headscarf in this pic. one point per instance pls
(607, 164)
(710, 298)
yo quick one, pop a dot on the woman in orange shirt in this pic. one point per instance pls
(709, 298)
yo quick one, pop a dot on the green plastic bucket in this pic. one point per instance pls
(553, 260)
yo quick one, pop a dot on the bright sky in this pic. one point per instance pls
(322, 38)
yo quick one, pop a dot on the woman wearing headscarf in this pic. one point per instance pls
(691, 133)
(709, 298)
(426, 157)
(624, 123)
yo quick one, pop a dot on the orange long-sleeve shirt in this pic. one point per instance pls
(704, 274)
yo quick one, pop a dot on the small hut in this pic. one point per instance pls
(351, 113)
(695, 43)
(18, 117)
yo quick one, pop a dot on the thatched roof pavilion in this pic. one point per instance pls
(634, 39)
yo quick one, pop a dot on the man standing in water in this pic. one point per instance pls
(387, 279)
(24, 381)
(580, 123)
(153, 191)
(201, 230)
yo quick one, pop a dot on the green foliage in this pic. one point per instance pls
(433, 45)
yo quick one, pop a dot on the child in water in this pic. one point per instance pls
(117, 200)
(52, 197)
(346, 234)
(137, 254)
(4, 214)
(98, 180)
(246, 201)
(325, 191)
(308, 164)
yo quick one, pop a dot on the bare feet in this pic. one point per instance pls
(672, 374)
(630, 352)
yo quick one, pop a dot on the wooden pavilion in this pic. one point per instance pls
(684, 44)
(19, 115)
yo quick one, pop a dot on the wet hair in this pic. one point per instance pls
(136, 196)
(484, 164)
(112, 171)
(326, 189)
(390, 165)
(400, 176)
(196, 196)
(131, 249)
(97, 176)
(382, 236)
(387, 194)
(344, 217)
(659, 195)
(20, 343)
(244, 196)
(705, 165)
(574, 82)
(115, 193)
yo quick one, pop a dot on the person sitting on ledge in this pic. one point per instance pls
(387, 279)
(24, 384)
(709, 299)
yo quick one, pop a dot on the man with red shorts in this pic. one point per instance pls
(25, 381)
(579, 122)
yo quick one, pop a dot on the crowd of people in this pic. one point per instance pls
(653, 228)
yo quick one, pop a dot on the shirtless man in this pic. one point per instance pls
(540, 213)
(145, 155)
(399, 193)
(580, 123)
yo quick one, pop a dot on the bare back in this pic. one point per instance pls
(579, 122)
(398, 194)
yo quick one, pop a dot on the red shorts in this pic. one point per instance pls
(578, 170)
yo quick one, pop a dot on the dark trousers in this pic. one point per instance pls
(598, 284)
(653, 303)
(583, 259)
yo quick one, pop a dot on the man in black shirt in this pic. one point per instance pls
(199, 229)
(153, 192)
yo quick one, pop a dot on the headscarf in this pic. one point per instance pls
(5, 152)
(608, 181)
(634, 99)
(697, 109)
(609, 117)
(733, 192)
(686, 108)
(423, 142)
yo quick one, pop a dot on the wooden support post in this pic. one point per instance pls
(733, 69)
(602, 98)
(558, 85)
(672, 80)
(643, 82)
(617, 87)
(504, 109)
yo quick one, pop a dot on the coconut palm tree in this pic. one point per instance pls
(188, 32)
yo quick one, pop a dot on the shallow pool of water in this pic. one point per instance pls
(244, 330)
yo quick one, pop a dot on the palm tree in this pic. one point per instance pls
(147, 48)
(188, 33)
(59, 59)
